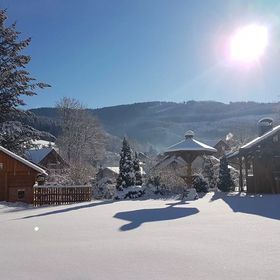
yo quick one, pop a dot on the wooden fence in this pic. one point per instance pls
(57, 195)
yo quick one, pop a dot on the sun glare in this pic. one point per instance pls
(248, 43)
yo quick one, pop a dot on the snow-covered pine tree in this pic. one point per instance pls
(137, 170)
(126, 176)
(225, 182)
(209, 173)
(15, 80)
(17, 137)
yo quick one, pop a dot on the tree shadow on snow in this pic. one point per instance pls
(137, 217)
(267, 205)
(69, 209)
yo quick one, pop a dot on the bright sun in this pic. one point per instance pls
(248, 43)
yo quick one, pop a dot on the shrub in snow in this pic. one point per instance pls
(126, 176)
(209, 173)
(104, 189)
(167, 180)
(225, 181)
(60, 179)
(235, 177)
(131, 192)
(200, 184)
(154, 180)
(190, 194)
(155, 186)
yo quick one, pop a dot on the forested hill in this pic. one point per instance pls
(162, 123)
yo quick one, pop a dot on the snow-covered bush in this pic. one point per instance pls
(200, 184)
(59, 179)
(167, 180)
(210, 172)
(235, 177)
(104, 189)
(75, 175)
(225, 182)
(131, 192)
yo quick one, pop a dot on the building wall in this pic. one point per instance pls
(266, 168)
(263, 175)
(16, 180)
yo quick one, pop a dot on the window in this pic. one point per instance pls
(21, 194)
(1, 166)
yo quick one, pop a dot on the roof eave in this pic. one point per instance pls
(24, 161)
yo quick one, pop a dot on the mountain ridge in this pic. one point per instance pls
(161, 123)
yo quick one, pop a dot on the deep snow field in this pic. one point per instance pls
(215, 237)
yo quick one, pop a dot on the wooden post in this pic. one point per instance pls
(189, 174)
(240, 175)
(246, 171)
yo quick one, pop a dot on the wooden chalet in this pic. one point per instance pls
(17, 177)
(47, 157)
(259, 160)
(220, 145)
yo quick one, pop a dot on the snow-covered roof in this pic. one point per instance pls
(190, 144)
(43, 143)
(259, 139)
(212, 143)
(37, 155)
(116, 169)
(23, 161)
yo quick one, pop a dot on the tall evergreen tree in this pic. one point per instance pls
(15, 81)
(126, 176)
(225, 182)
(137, 170)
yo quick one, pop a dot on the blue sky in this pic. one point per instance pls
(111, 52)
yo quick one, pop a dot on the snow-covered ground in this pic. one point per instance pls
(215, 237)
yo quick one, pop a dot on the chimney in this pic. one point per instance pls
(265, 125)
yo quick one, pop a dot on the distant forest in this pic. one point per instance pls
(160, 124)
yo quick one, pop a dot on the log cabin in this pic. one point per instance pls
(17, 177)
(259, 160)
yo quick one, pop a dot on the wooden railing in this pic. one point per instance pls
(57, 195)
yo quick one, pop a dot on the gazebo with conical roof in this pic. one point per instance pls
(189, 149)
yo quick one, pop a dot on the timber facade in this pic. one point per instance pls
(17, 177)
(259, 161)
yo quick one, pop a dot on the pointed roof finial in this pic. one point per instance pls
(189, 134)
